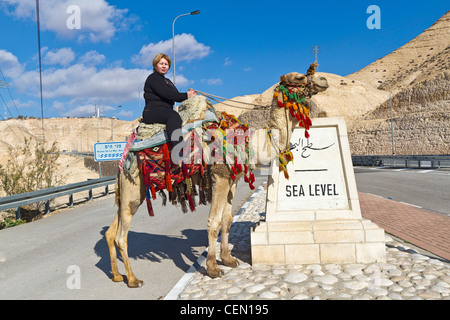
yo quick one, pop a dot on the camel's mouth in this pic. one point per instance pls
(320, 84)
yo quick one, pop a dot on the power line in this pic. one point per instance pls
(9, 91)
(14, 121)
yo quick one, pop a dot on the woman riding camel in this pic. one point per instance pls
(160, 94)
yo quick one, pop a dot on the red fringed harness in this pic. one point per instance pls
(160, 173)
(237, 163)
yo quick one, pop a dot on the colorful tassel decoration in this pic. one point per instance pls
(293, 98)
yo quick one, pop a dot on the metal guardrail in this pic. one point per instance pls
(18, 200)
(409, 161)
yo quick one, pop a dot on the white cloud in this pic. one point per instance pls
(125, 114)
(182, 81)
(59, 106)
(92, 109)
(213, 82)
(227, 61)
(187, 48)
(63, 56)
(80, 81)
(99, 21)
(84, 80)
(81, 111)
(10, 64)
(92, 58)
(20, 104)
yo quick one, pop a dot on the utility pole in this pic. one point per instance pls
(4, 84)
(316, 51)
(40, 67)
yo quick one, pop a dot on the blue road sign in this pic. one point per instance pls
(108, 151)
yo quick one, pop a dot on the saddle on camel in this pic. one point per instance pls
(148, 150)
(220, 151)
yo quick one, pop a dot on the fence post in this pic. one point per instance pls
(47, 207)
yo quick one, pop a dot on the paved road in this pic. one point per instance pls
(40, 260)
(45, 258)
(428, 189)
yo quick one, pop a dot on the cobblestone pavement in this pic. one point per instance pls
(407, 274)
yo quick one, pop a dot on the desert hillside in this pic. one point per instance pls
(78, 134)
(70, 134)
(421, 59)
(418, 74)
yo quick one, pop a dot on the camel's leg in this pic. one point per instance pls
(122, 242)
(219, 196)
(110, 236)
(130, 196)
(227, 219)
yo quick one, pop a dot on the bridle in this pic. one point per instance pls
(293, 97)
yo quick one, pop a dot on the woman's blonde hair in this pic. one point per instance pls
(158, 58)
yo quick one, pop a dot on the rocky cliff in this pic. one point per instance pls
(418, 75)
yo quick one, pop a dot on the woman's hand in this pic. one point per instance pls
(191, 93)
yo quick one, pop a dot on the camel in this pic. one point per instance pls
(130, 193)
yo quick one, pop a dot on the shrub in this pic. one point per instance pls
(30, 167)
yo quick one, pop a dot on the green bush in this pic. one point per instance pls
(7, 223)
(30, 168)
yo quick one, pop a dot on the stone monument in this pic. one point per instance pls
(314, 216)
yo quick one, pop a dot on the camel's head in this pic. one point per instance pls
(316, 82)
(293, 78)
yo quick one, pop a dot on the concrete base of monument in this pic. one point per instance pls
(321, 242)
(315, 216)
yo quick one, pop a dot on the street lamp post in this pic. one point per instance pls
(173, 39)
(392, 124)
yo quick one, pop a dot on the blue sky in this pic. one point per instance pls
(231, 48)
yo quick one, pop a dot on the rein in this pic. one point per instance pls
(290, 96)
(214, 98)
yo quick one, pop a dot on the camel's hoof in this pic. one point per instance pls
(214, 273)
(230, 262)
(117, 278)
(135, 283)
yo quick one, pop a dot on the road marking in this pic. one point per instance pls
(376, 195)
(426, 171)
(412, 205)
(184, 280)
(441, 173)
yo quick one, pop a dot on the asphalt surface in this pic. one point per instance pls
(424, 188)
(65, 256)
